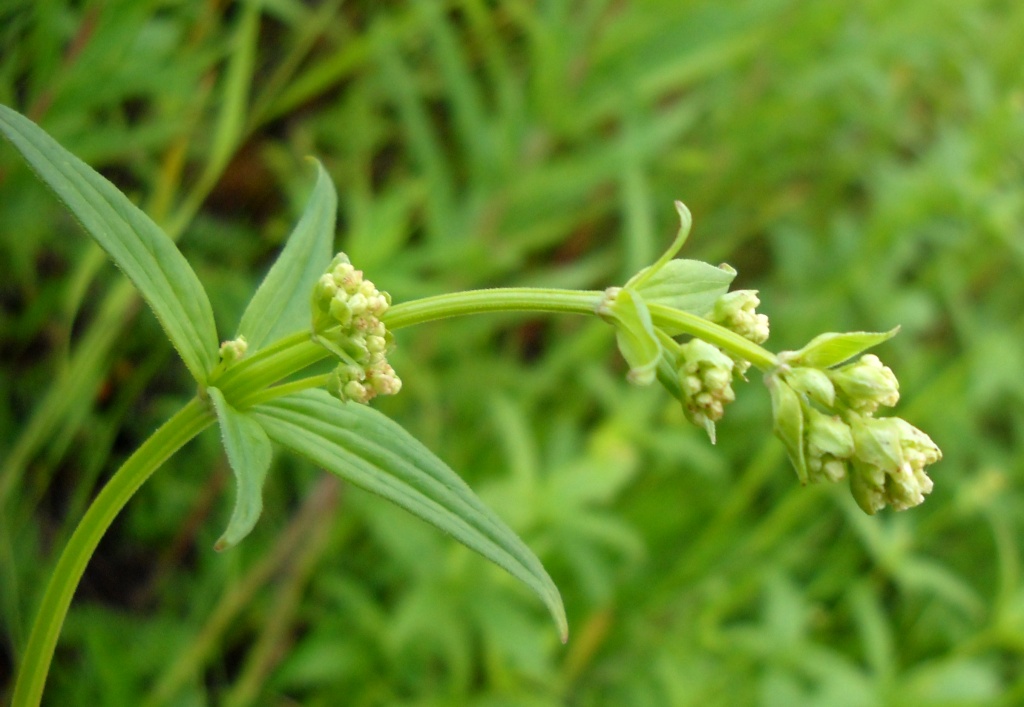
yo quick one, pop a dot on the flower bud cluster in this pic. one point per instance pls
(705, 380)
(832, 432)
(735, 311)
(866, 384)
(829, 444)
(347, 312)
(889, 464)
(233, 350)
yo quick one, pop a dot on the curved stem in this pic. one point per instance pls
(186, 424)
(677, 321)
(504, 299)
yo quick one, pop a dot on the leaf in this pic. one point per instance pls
(137, 245)
(249, 454)
(827, 350)
(689, 285)
(281, 304)
(636, 337)
(685, 223)
(375, 453)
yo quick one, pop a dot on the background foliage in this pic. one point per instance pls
(860, 164)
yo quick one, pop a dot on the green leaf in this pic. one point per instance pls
(373, 452)
(249, 454)
(829, 350)
(636, 337)
(685, 223)
(281, 304)
(689, 285)
(137, 245)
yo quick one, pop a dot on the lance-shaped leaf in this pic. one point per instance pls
(372, 451)
(688, 285)
(827, 350)
(281, 304)
(136, 245)
(249, 454)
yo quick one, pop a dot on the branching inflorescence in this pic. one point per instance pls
(675, 322)
(824, 398)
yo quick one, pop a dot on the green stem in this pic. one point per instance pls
(505, 299)
(277, 348)
(678, 321)
(186, 424)
(300, 355)
(278, 391)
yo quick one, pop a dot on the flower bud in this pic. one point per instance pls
(705, 378)
(325, 288)
(231, 351)
(829, 444)
(347, 311)
(813, 383)
(382, 379)
(866, 384)
(735, 310)
(890, 458)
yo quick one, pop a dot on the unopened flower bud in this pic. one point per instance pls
(231, 351)
(735, 310)
(383, 379)
(356, 392)
(890, 458)
(866, 384)
(325, 288)
(813, 383)
(829, 444)
(705, 379)
(340, 310)
(357, 304)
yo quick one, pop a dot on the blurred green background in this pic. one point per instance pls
(861, 164)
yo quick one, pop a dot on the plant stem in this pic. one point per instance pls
(505, 299)
(302, 353)
(683, 322)
(245, 383)
(186, 424)
(259, 397)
